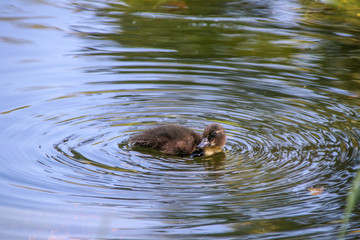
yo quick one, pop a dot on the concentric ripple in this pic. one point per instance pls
(274, 154)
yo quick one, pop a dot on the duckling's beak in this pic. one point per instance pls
(204, 143)
(199, 152)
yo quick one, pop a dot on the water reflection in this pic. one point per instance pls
(279, 78)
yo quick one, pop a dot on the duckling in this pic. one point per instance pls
(178, 140)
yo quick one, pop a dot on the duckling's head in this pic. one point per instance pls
(213, 139)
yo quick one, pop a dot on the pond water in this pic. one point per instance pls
(78, 78)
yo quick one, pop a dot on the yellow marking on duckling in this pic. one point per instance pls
(211, 150)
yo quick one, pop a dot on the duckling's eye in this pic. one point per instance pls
(213, 134)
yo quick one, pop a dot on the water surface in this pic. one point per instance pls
(78, 78)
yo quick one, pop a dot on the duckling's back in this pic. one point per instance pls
(171, 139)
